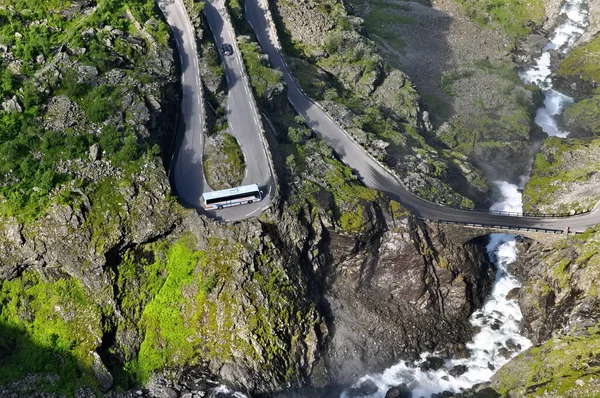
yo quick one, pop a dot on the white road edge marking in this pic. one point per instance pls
(252, 212)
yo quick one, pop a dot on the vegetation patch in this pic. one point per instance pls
(564, 366)
(169, 335)
(515, 17)
(585, 114)
(48, 327)
(42, 37)
(224, 163)
(583, 62)
(563, 178)
(263, 78)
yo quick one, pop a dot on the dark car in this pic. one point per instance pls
(227, 49)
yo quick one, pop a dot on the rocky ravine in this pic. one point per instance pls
(561, 309)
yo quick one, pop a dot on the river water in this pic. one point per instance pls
(575, 21)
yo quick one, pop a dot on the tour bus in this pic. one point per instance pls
(231, 197)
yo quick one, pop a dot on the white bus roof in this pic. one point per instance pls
(231, 191)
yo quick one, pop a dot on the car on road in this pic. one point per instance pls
(227, 49)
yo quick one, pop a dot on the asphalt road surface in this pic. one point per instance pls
(371, 173)
(187, 172)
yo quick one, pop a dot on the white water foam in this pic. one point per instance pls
(222, 389)
(498, 320)
(575, 16)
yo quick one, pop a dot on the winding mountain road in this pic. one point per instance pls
(370, 172)
(187, 174)
(187, 171)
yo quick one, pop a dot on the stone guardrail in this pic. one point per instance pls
(504, 227)
(528, 214)
(254, 104)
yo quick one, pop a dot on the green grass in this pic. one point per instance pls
(512, 16)
(382, 20)
(48, 327)
(262, 77)
(169, 335)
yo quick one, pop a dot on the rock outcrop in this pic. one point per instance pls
(561, 310)
(564, 179)
(404, 289)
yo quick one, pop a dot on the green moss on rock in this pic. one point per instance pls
(48, 327)
(224, 162)
(583, 62)
(564, 177)
(567, 366)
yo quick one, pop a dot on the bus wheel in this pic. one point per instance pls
(250, 201)
(219, 207)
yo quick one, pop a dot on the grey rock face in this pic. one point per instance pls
(12, 105)
(94, 153)
(105, 379)
(401, 293)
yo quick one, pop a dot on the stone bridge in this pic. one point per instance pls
(462, 233)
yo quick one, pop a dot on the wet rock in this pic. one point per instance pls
(432, 363)
(458, 370)
(365, 389)
(512, 345)
(513, 294)
(443, 394)
(529, 49)
(401, 391)
(505, 352)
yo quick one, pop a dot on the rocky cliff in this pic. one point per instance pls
(408, 291)
(113, 285)
(459, 54)
(560, 304)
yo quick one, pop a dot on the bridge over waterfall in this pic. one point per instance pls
(463, 232)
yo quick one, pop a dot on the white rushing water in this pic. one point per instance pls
(498, 320)
(575, 15)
